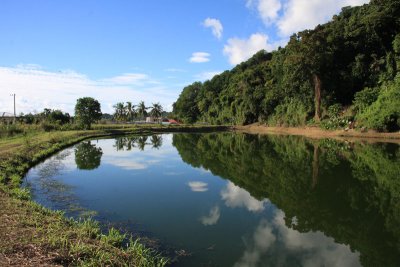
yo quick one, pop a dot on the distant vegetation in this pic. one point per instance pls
(344, 73)
(87, 112)
(129, 112)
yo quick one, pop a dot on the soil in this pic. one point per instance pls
(318, 133)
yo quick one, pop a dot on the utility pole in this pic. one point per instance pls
(15, 114)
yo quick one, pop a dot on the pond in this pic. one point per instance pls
(226, 199)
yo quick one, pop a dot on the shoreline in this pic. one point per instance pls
(314, 132)
(32, 235)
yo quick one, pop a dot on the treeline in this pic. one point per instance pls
(129, 112)
(344, 73)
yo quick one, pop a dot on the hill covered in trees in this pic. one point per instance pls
(341, 72)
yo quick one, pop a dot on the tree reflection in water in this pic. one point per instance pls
(88, 156)
(350, 192)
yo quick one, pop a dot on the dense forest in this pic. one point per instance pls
(343, 73)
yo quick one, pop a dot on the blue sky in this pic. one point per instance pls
(53, 52)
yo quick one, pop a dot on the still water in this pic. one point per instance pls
(228, 199)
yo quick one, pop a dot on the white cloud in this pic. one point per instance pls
(235, 197)
(212, 218)
(197, 186)
(215, 26)
(129, 78)
(200, 57)
(207, 75)
(298, 15)
(267, 9)
(239, 50)
(37, 89)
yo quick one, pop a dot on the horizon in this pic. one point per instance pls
(56, 52)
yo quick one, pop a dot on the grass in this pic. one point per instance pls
(33, 235)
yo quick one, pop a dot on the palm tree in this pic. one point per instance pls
(141, 109)
(156, 141)
(130, 111)
(142, 142)
(120, 111)
(156, 111)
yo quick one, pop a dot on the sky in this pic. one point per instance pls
(53, 52)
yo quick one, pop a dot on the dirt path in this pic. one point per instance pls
(318, 133)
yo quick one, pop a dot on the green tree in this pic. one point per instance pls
(130, 111)
(141, 110)
(120, 113)
(156, 111)
(87, 111)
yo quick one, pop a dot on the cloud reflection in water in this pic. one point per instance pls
(197, 186)
(236, 197)
(308, 249)
(212, 218)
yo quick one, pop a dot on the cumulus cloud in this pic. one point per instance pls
(212, 218)
(215, 26)
(197, 186)
(236, 197)
(37, 89)
(200, 57)
(267, 9)
(286, 17)
(292, 16)
(207, 75)
(239, 50)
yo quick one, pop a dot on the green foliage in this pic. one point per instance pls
(384, 113)
(186, 106)
(359, 48)
(87, 111)
(365, 98)
(291, 113)
(114, 237)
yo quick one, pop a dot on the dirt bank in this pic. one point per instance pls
(318, 133)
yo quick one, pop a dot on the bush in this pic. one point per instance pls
(334, 110)
(384, 113)
(291, 113)
(365, 98)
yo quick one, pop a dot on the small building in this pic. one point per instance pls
(150, 119)
(173, 121)
(169, 121)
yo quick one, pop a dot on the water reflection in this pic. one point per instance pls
(348, 191)
(47, 187)
(212, 218)
(235, 197)
(301, 249)
(239, 200)
(197, 186)
(87, 156)
(129, 142)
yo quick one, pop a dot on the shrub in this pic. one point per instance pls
(291, 113)
(365, 98)
(384, 113)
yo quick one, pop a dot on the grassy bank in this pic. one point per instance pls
(33, 235)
